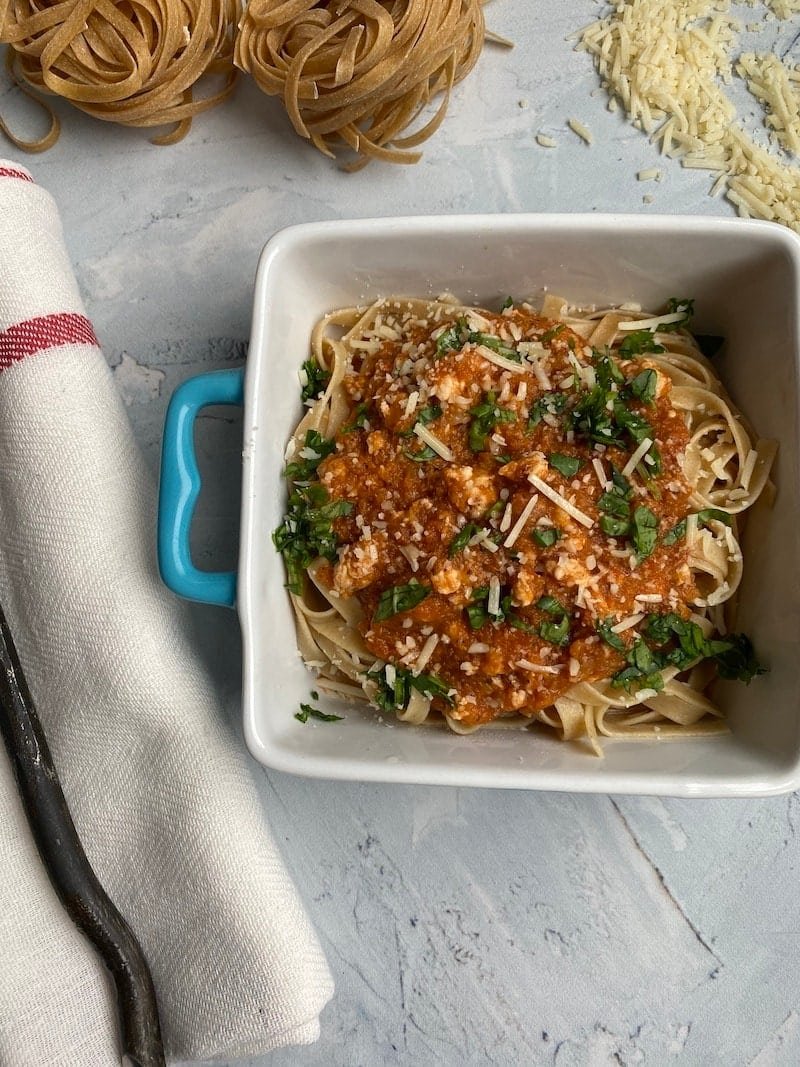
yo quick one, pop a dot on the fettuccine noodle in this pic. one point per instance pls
(716, 471)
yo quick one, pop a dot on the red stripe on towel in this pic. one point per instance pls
(26, 338)
(10, 172)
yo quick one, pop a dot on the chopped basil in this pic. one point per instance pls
(733, 654)
(452, 338)
(555, 632)
(551, 605)
(496, 345)
(606, 632)
(361, 415)
(395, 697)
(545, 536)
(707, 514)
(643, 386)
(612, 503)
(674, 535)
(478, 608)
(607, 370)
(306, 532)
(507, 303)
(638, 342)
(642, 672)
(738, 663)
(549, 404)
(548, 335)
(613, 526)
(425, 453)
(399, 598)
(462, 539)
(485, 416)
(314, 380)
(428, 414)
(685, 307)
(314, 694)
(303, 470)
(568, 466)
(645, 532)
(306, 712)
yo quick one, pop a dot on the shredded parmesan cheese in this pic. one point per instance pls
(432, 441)
(519, 525)
(500, 361)
(425, 653)
(642, 449)
(578, 127)
(563, 503)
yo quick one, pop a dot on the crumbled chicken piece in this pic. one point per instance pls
(519, 469)
(470, 491)
(528, 587)
(448, 580)
(360, 564)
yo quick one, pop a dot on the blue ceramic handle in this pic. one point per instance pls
(180, 487)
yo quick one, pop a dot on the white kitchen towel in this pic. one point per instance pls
(160, 790)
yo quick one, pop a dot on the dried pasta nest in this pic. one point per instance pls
(359, 73)
(134, 62)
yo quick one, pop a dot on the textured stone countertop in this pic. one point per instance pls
(463, 927)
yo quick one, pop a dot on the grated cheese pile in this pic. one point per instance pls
(667, 62)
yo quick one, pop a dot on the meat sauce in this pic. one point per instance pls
(409, 506)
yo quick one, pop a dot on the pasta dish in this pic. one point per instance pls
(520, 516)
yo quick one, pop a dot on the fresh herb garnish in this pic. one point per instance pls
(507, 303)
(478, 608)
(642, 671)
(643, 386)
(705, 516)
(452, 339)
(304, 469)
(548, 404)
(739, 663)
(613, 640)
(307, 712)
(637, 343)
(568, 466)
(548, 335)
(615, 505)
(555, 632)
(314, 380)
(425, 453)
(306, 532)
(430, 413)
(399, 598)
(674, 305)
(395, 696)
(485, 416)
(496, 345)
(645, 532)
(545, 536)
(674, 535)
(462, 539)
(361, 415)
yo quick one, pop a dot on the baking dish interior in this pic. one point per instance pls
(744, 280)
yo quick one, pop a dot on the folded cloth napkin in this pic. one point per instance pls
(160, 790)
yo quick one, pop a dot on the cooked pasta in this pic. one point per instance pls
(501, 518)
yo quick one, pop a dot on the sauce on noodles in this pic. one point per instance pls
(514, 515)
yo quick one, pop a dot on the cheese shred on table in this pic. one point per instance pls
(668, 63)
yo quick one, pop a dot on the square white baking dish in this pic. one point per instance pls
(744, 279)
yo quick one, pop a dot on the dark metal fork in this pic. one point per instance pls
(70, 872)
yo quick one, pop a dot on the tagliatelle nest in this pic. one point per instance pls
(133, 62)
(360, 72)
